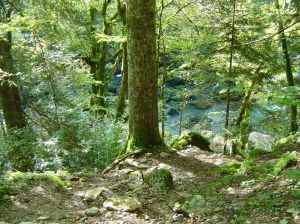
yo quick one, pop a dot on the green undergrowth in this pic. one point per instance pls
(19, 180)
(251, 171)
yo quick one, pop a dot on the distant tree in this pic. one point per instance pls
(288, 69)
(9, 91)
(142, 70)
(124, 84)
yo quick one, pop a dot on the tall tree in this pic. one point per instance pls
(124, 84)
(288, 69)
(142, 72)
(9, 91)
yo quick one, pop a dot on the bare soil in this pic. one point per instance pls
(231, 198)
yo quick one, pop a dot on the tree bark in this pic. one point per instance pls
(142, 75)
(9, 91)
(229, 81)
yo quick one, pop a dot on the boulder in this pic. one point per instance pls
(191, 138)
(161, 178)
(92, 211)
(125, 204)
(176, 81)
(188, 205)
(257, 140)
(92, 194)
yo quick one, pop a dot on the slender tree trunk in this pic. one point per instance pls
(124, 84)
(97, 60)
(163, 87)
(288, 70)
(142, 74)
(229, 81)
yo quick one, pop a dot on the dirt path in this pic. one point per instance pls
(228, 202)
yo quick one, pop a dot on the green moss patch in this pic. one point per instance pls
(191, 138)
(161, 179)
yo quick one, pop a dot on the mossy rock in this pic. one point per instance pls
(191, 138)
(161, 178)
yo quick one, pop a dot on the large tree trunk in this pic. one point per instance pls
(14, 117)
(142, 69)
(288, 70)
(9, 92)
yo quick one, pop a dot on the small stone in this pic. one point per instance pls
(127, 171)
(92, 211)
(109, 215)
(136, 177)
(283, 221)
(296, 216)
(148, 154)
(164, 154)
(142, 166)
(92, 194)
(41, 218)
(291, 210)
(143, 160)
(28, 223)
(132, 186)
(218, 209)
(131, 162)
(6, 197)
(138, 190)
(125, 204)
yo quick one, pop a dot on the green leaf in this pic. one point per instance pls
(223, 90)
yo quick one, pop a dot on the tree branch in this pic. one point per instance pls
(260, 40)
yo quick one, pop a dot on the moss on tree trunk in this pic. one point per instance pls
(142, 75)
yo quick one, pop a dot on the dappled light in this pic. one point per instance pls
(134, 111)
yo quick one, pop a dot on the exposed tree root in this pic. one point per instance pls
(120, 159)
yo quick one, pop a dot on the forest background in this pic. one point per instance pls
(60, 61)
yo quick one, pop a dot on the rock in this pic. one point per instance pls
(283, 221)
(132, 186)
(6, 197)
(109, 215)
(172, 111)
(261, 141)
(164, 154)
(142, 166)
(125, 204)
(92, 194)
(92, 211)
(143, 160)
(42, 218)
(176, 81)
(296, 216)
(291, 210)
(131, 162)
(161, 178)
(188, 205)
(136, 177)
(127, 171)
(28, 223)
(191, 138)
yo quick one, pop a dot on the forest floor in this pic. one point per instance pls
(230, 196)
